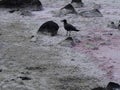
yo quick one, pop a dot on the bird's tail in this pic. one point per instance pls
(77, 30)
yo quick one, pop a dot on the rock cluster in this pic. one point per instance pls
(25, 4)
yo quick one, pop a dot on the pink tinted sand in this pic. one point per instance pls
(109, 56)
(105, 52)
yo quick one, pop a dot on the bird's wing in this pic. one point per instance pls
(70, 27)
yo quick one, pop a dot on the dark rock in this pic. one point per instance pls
(24, 78)
(26, 13)
(119, 27)
(95, 48)
(50, 27)
(13, 10)
(112, 25)
(32, 36)
(72, 59)
(12, 79)
(0, 70)
(91, 13)
(111, 34)
(99, 88)
(77, 3)
(22, 4)
(40, 68)
(25, 72)
(69, 9)
(69, 42)
(113, 86)
(110, 86)
(69, 38)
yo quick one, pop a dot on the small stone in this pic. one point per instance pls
(69, 38)
(25, 72)
(24, 78)
(99, 88)
(95, 48)
(72, 59)
(26, 13)
(21, 83)
(111, 34)
(0, 70)
(12, 79)
(12, 11)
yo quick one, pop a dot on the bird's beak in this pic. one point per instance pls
(62, 8)
(61, 20)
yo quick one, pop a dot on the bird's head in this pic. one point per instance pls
(64, 20)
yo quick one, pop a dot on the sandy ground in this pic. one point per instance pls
(51, 66)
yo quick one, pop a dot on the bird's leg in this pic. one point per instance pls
(67, 33)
